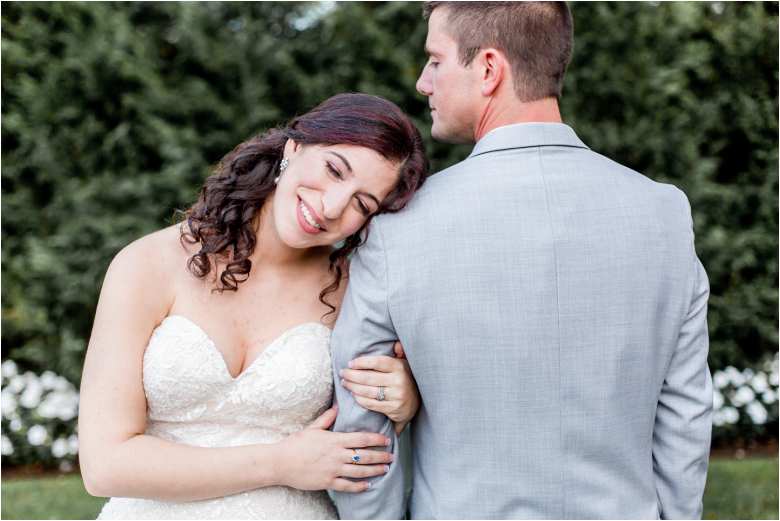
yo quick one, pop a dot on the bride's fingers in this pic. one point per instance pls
(398, 349)
(363, 471)
(375, 405)
(345, 485)
(375, 378)
(385, 364)
(326, 419)
(367, 391)
(359, 440)
(370, 457)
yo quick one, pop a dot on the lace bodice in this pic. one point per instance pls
(193, 399)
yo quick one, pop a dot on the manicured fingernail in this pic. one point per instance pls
(341, 373)
(392, 457)
(387, 441)
(368, 485)
(342, 382)
(386, 468)
(350, 364)
(335, 405)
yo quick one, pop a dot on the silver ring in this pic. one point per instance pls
(381, 394)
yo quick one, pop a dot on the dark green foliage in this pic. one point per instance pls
(114, 113)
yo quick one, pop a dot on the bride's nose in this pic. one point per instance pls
(334, 202)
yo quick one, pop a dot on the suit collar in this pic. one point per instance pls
(524, 135)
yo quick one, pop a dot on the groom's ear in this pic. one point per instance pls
(493, 68)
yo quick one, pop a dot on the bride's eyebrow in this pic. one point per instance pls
(344, 159)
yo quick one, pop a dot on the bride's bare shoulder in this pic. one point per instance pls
(163, 249)
(153, 262)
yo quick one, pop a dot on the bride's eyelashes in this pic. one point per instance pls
(338, 175)
(333, 171)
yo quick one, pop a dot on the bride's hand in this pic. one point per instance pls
(368, 373)
(314, 458)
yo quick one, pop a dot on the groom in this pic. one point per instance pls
(550, 302)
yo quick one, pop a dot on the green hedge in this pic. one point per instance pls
(114, 113)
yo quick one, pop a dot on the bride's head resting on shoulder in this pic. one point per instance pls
(324, 175)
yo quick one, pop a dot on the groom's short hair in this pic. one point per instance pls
(535, 37)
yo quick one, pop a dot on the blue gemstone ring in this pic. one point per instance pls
(355, 458)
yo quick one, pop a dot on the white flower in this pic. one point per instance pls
(759, 383)
(718, 418)
(16, 384)
(48, 380)
(73, 444)
(734, 376)
(48, 407)
(7, 447)
(9, 371)
(8, 403)
(59, 448)
(16, 425)
(37, 435)
(730, 415)
(70, 407)
(773, 378)
(62, 384)
(757, 413)
(31, 396)
(717, 400)
(62, 405)
(720, 380)
(743, 395)
(769, 397)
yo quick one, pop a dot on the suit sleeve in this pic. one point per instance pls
(363, 328)
(683, 422)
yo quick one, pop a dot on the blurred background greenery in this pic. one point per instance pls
(113, 113)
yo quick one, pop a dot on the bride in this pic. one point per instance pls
(207, 381)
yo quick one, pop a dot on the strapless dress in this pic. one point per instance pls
(193, 399)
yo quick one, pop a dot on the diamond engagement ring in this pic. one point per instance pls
(381, 394)
(355, 458)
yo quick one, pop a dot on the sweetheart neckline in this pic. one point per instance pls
(219, 353)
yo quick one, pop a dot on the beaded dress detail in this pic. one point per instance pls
(192, 399)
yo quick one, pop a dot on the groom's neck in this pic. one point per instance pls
(500, 113)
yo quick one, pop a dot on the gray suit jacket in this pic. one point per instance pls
(553, 311)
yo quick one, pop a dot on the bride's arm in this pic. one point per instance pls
(401, 396)
(118, 459)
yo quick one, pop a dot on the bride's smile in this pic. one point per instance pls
(326, 193)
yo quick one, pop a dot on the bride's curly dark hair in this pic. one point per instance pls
(223, 219)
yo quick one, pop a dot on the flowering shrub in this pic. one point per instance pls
(39, 419)
(745, 403)
(40, 412)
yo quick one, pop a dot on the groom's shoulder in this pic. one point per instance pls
(433, 191)
(450, 178)
(660, 198)
(420, 207)
(660, 189)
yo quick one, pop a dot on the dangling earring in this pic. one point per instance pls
(282, 166)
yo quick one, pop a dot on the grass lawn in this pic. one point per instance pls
(744, 489)
(48, 497)
(741, 489)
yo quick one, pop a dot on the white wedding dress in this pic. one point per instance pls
(193, 399)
